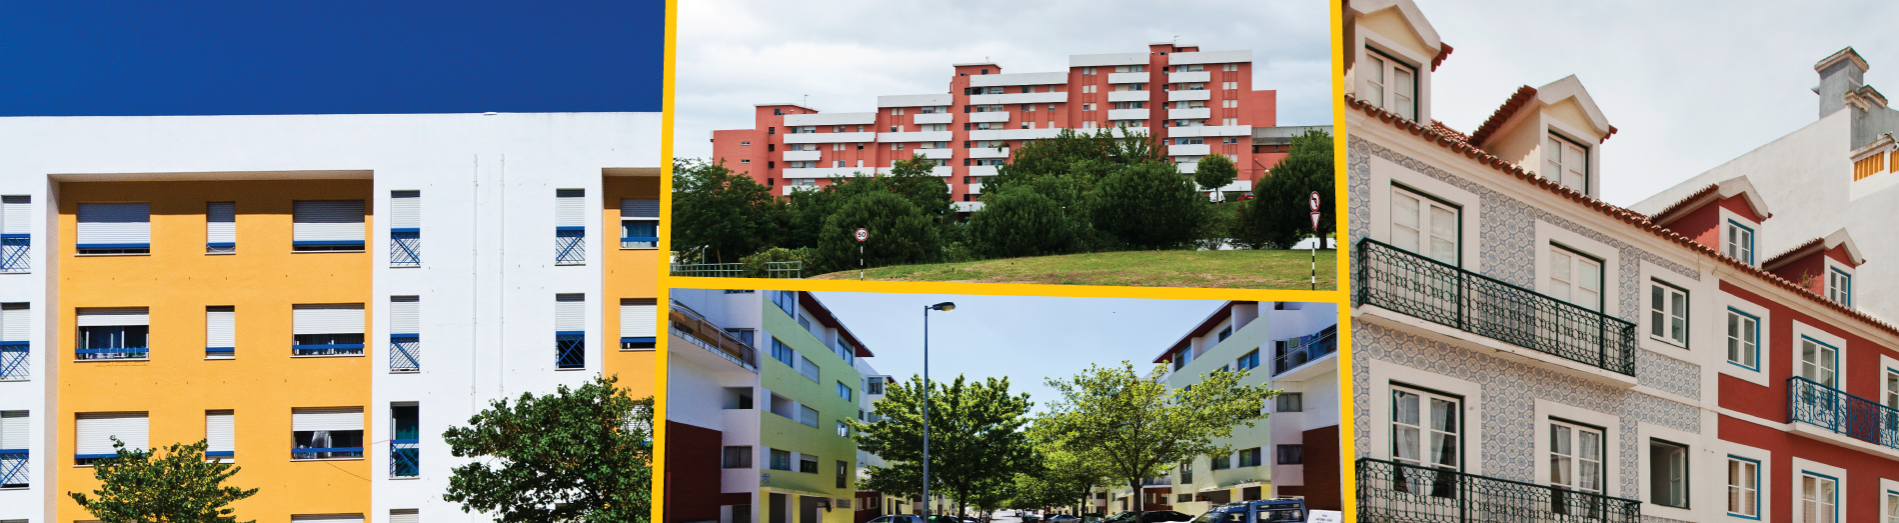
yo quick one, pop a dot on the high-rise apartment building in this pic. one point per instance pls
(318, 296)
(1194, 102)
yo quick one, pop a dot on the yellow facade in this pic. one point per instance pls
(176, 385)
(630, 273)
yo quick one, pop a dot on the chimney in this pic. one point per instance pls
(1842, 73)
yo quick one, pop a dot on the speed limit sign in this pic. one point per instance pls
(864, 234)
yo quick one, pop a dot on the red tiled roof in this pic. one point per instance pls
(1443, 51)
(1502, 114)
(1634, 219)
(1683, 203)
(1787, 255)
(1448, 131)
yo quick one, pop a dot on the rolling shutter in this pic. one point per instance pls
(14, 321)
(220, 327)
(115, 225)
(332, 419)
(327, 518)
(570, 208)
(639, 318)
(405, 210)
(220, 432)
(639, 208)
(404, 516)
(13, 430)
(327, 222)
(16, 214)
(570, 312)
(345, 318)
(220, 224)
(405, 315)
(114, 317)
(94, 432)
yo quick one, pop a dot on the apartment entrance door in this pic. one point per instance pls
(808, 510)
(779, 508)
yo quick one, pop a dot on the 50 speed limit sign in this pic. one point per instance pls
(862, 234)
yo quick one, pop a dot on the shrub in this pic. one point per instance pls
(899, 234)
(1149, 206)
(1020, 222)
(1215, 171)
(756, 264)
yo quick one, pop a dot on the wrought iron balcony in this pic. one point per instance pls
(1394, 492)
(404, 458)
(1315, 347)
(14, 472)
(692, 327)
(15, 361)
(1447, 295)
(1833, 409)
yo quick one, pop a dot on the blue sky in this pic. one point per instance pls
(245, 57)
(1027, 339)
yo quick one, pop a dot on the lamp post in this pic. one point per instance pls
(945, 307)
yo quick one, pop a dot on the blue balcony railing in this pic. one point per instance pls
(220, 352)
(570, 349)
(13, 249)
(1314, 347)
(1437, 292)
(116, 353)
(326, 452)
(405, 247)
(570, 245)
(403, 458)
(13, 468)
(16, 363)
(1845, 414)
(327, 349)
(405, 353)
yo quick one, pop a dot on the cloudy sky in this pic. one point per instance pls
(845, 53)
(1689, 85)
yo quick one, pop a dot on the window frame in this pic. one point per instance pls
(1687, 473)
(1602, 277)
(1843, 294)
(1684, 317)
(1388, 97)
(1601, 460)
(1730, 243)
(1801, 498)
(1754, 355)
(1756, 487)
(1564, 165)
(1425, 201)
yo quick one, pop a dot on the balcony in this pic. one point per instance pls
(405, 353)
(1018, 98)
(941, 153)
(1436, 292)
(1190, 77)
(1128, 78)
(1189, 95)
(570, 246)
(865, 136)
(1835, 411)
(405, 458)
(1309, 348)
(915, 136)
(989, 152)
(13, 470)
(405, 247)
(13, 249)
(790, 269)
(989, 116)
(1192, 113)
(570, 349)
(15, 361)
(1390, 491)
(694, 328)
(1188, 149)
(934, 118)
(1128, 96)
(803, 156)
(1127, 114)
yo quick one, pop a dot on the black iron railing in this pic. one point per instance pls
(1325, 342)
(1833, 409)
(1393, 492)
(1447, 295)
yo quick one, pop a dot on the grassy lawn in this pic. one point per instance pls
(1241, 269)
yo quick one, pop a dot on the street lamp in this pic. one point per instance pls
(945, 307)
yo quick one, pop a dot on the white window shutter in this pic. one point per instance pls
(405, 315)
(16, 214)
(639, 318)
(570, 312)
(405, 209)
(220, 327)
(13, 430)
(95, 431)
(326, 518)
(115, 225)
(570, 208)
(344, 318)
(404, 516)
(220, 431)
(328, 418)
(15, 320)
(114, 317)
(220, 223)
(327, 221)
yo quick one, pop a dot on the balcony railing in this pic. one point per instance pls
(404, 456)
(405, 247)
(13, 470)
(690, 326)
(1833, 409)
(326, 349)
(1319, 345)
(1395, 492)
(15, 363)
(325, 452)
(790, 269)
(570, 349)
(570, 245)
(405, 353)
(115, 353)
(1440, 293)
(13, 249)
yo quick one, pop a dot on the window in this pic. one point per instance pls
(808, 368)
(1229, 85)
(1740, 242)
(326, 433)
(875, 385)
(326, 225)
(16, 224)
(844, 391)
(220, 228)
(845, 350)
(843, 469)
(1818, 362)
(843, 429)
(1389, 84)
(807, 464)
(570, 331)
(780, 460)
(1568, 163)
(1425, 225)
(1743, 339)
(1668, 313)
(405, 228)
(93, 433)
(327, 330)
(1221, 462)
(1088, 70)
(808, 416)
(1289, 402)
(327, 518)
(115, 228)
(15, 320)
(1839, 286)
(1224, 333)
(745, 143)
(113, 333)
(1819, 503)
(13, 436)
(405, 333)
(639, 324)
(570, 227)
(736, 457)
(1575, 278)
(1744, 478)
(1426, 430)
(220, 332)
(405, 515)
(1249, 361)
(1575, 457)
(1250, 457)
(219, 435)
(1892, 388)
(786, 301)
(405, 443)
(1292, 454)
(1668, 474)
(1186, 472)
(783, 353)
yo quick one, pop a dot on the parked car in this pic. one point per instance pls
(1064, 518)
(1287, 510)
(898, 518)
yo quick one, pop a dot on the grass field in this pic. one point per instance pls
(1239, 269)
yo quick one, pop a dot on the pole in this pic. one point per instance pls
(860, 277)
(1316, 240)
(926, 415)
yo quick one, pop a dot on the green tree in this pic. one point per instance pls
(1060, 477)
(1280, 214)
(1215, 171)
(578, 455)
(911, 178)
(899, 233)
(1149, 206)
(175, 486)
(977, 438)
(725, 213)
(1141, 427)
(1020, 222)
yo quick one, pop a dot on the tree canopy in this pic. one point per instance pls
(978, 441)
(1279, 215)
(175, 485)
(1215, 171)
(725, 213)
(578, 455)
(1149, 206)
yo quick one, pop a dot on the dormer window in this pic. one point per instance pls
(1839, 286)
(1740, 242)
(1390, 84)
(1568, 162)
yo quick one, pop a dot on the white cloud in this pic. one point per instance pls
(842, 54)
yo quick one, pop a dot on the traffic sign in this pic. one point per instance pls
(1315, 201)
(1315, 220)
(864, 234)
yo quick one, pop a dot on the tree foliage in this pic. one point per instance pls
(1060, 477)
(1142, 428)
(577, 455)
(1149, 206)
(1215, 171)
(175, 485)
(977, 439)
(1279, 215)
(726, 213)
(899, 233)
(1021, 222)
